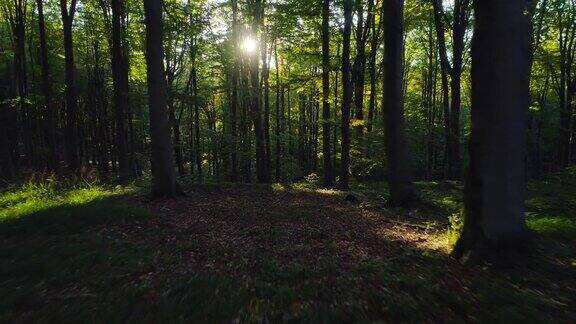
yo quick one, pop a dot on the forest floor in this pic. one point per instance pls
(248, 253)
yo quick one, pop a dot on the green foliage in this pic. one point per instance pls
(555, 226)
(456, 223)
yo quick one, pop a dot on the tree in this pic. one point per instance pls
(50, 123)
(376, 32)
(120, 76)
(15, 13)
(234, 92)
(460, 17)
(328, 168)
(359, 66)
(163, 172)
(72, 156)
(346, 97)
(261, 159)
(196, 106)
(565, 78)
(495, 182)
(397, 155)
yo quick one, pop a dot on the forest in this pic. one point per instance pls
(287, 161)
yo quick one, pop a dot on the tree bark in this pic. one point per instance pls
(72, 156)
(50, 113)
(346, 97)
(374, 43)
(359, 66)
(495, 183)
(326, 152)
(195, 102)
(234, 93)
(444, 71)
(459, 24)
(397, 155)
(261, 159)
(120, 80)
(279, 117)
(266, 96)
(7, 167)
(163, 172)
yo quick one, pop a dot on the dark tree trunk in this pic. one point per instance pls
(120, 78)
(234, 94)
(261, 159)
(359, 67)
(459, 24)
(328, 167)
(302, 156)
(495, 184)
(444, 70)
(279, 118)
(266, 100)
(7, 167)
(374, 43)
(23, 128)
(335, 140)
(163, 173)
(397, 155)
(315, 130)
(346, 97)
(50, 113)
(72, 156)
(195, 99)
(460, 15)
(246, 168)
(97, 99)
(174, 122)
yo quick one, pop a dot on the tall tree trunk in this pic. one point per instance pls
(22, 76)
(234, 94)
(335, 138)
(246, 168)
(195, 101)
(99, 105)
(359, 67)
(49, 112)
(397, 155)
(120, 80)
(444, 71)
(175, 123)
(374, 44)
(279, 117)
(346, 97)
(328, 167)
(163, 173)
(266, 98)
(17, 20)
(7, 166)
(495, 184)
(261, 159)
(459, 24)
(72, 156)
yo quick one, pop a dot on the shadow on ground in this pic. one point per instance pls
(257, 254)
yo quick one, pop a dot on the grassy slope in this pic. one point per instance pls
(70, 253)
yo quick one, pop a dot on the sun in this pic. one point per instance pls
(249, 45)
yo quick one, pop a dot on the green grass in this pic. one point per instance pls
(551, 205)
(52, 238)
